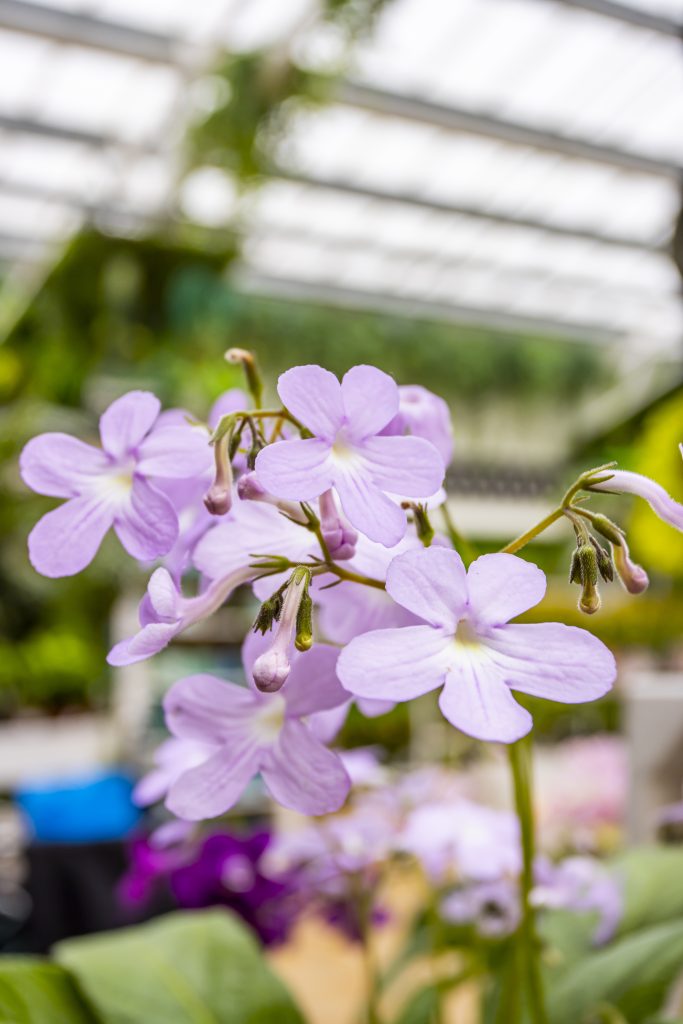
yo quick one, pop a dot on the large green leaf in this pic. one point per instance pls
(200, 968)
(632, 974)
(653, 892)
(33, 991)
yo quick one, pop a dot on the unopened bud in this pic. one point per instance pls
(633, 576)
(271, 670)
(609, 530)
(584, 570)
(589, 602)
(250, 488)
(269, 612)
(304, 624)
(218, 498)
(423, 527)
(605, 566)
(339, 536)
(251, 371)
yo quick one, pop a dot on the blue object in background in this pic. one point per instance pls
(90, 808)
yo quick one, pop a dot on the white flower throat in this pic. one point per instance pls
(268, 721)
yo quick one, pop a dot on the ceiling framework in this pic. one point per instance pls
(515, 163)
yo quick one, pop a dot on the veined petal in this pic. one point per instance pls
(409, 466)
(298, 470)
(314, 396)
(366, 507)
(124, 424)
(431, 583)
(67, 539)
(312, 684)
(215, 786)
(208, 709)
(60, 466)
(163, 595)
(146, 524)
(151, 639)
(548, 659)
(476, 700)
(501, 586)
(175, 452)
(660, 501)
(370, 399)
(395, 664)
(304, 775)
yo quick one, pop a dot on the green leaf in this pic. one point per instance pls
(33, 991)
(185, 968)
(633, 974)
(422, 1008)
(652, 886)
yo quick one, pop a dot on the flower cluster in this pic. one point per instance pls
(322, 506)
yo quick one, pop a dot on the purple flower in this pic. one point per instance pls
(580, 884)
(164, 613)
(622, 481)
(423, 414)
(346, 451)
(171, 759)
(255, 732)
(109, 486)
(467, 646)
(493, 907)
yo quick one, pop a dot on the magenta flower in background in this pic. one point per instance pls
(423, 414)
(622, 481)
(164, 613)
(468, 647)
(109, 486)
(261, 733)
(346, 451)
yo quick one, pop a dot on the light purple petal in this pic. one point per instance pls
(477, 701)
(312, 684)
(314, 396)
(215, 786)
(370, 400)
(366, 507)
(205, 708)
(67, 539)
(233, 400)
(146, 524)
(661, 502)
(548, 659)
(60, 466)
(298, 470)
(501, 586)
(175, 452)
(348, 609)
(163, 596)
(326, 724)
(431, 582)
(151, 639)
(408, 466)
(124, 424)
(302, 774)
(395, 664)
(374, 708)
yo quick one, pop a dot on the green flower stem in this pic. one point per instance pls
(519, 542)
(463, 546)
(520, 764)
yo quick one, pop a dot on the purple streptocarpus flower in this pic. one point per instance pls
(468, 647)
(171, 759)
(423, 414)
(580, 884)
(492, 907)
(256, 732)
(109, 486)
(339, 536)
(622, 481)
(164, 613)
(346, 451)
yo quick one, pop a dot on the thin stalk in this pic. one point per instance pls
(520, 763)
(464, 548)
(519, 542)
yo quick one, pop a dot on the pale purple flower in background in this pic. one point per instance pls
(255, 732)
(467, 646)
(164, 613)
(464, 840)
(423, 414)
(346, 451)
(109, 486)
(580, 884)
(171, 759)
(622, 481)
(492, 907)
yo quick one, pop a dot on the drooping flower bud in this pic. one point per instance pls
(609, 530)
(218, 498)
(272, 668)
(251, 371)
(304, 624)
(605, 566)
(250, 488)
(633, 576)
(584, 570)
(339, 536)
(423, 527)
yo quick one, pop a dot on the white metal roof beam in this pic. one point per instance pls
(636, 16)
(469, 210)
(457, 119)
(84, 30)
(65, 133)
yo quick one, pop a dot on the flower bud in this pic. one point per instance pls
(423, 527)
(589, 602)
(218, 499)
(251, 371)
(304, 624)
(339, 536)
(271, 669)
(584, 570)
(250, 488)
(605, 566)
(633, 577)
(609, 530)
